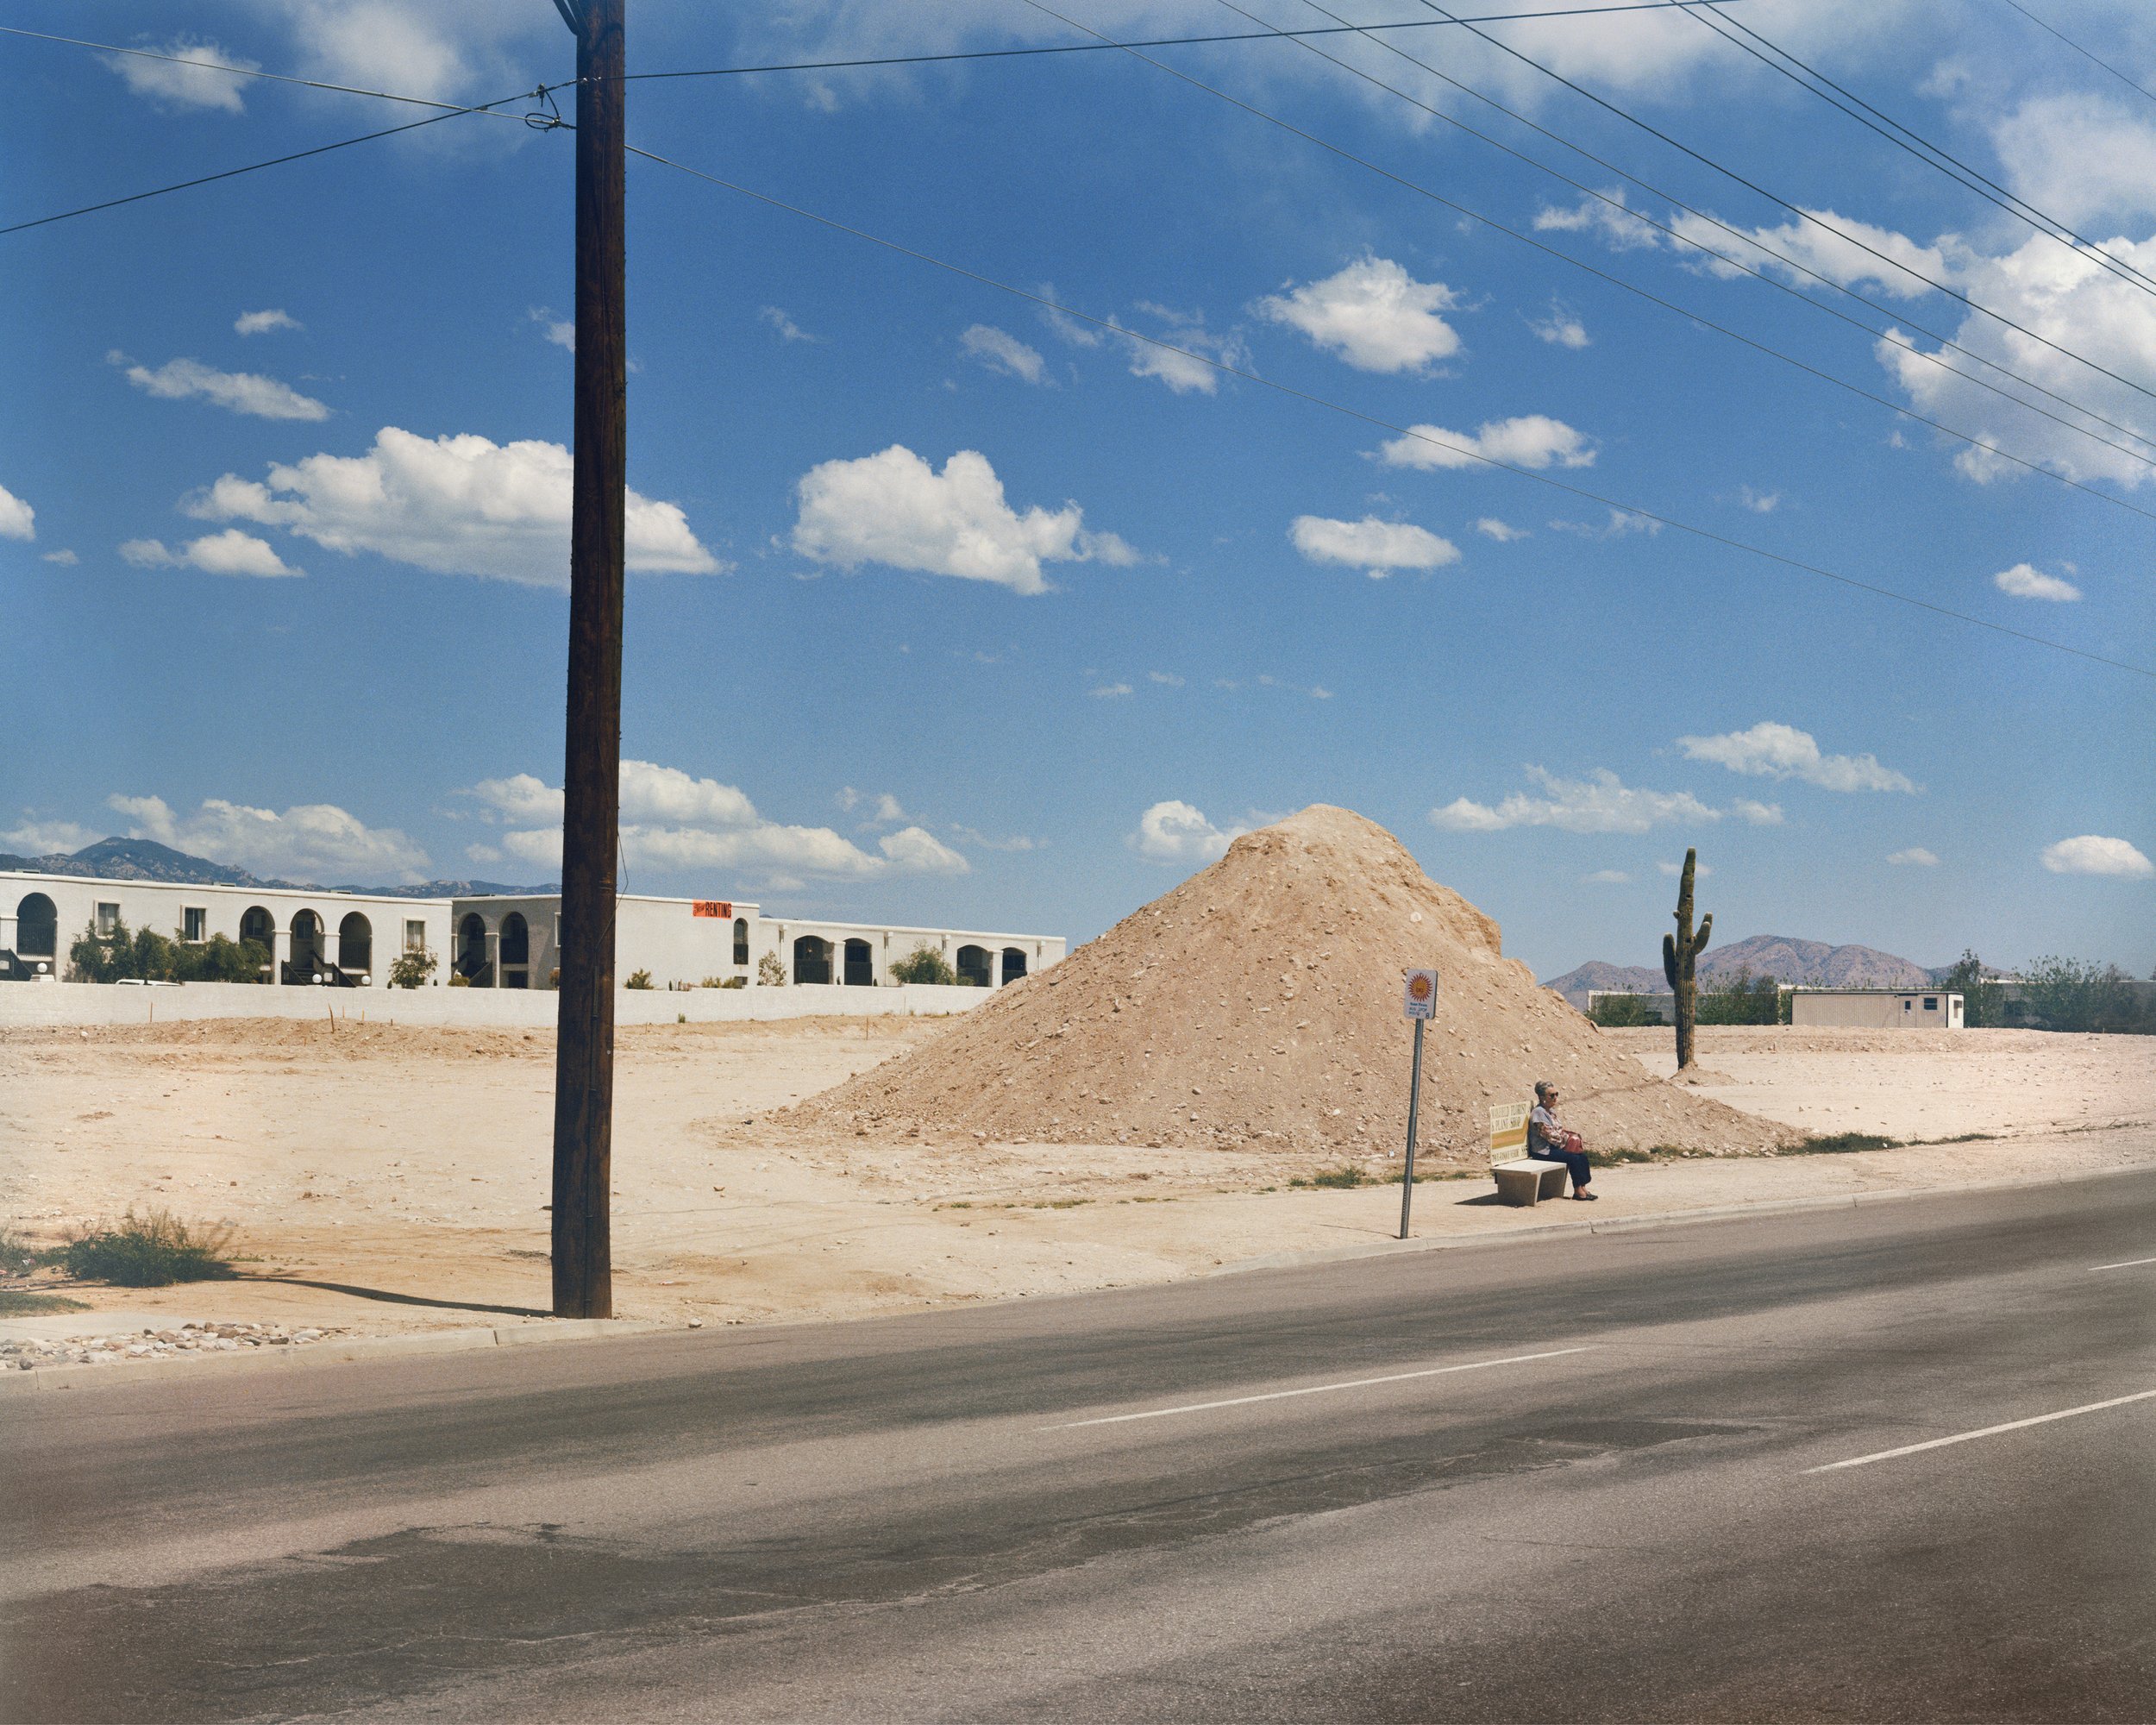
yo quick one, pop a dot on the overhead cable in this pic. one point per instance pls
(1891, 335)
(1110, 326)
(1815, 82)
(2107, 66)
(1803, 214)
(1631, 287)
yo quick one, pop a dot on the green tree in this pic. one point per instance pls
(771, 971)
(1741, 999)
(924, 964)
(1982, 1003)
(1620, 1012)
(2070, 994)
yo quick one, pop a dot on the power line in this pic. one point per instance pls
(1800, 213)
(1915, 144)
(1631, 287)
(1150, 42)
(1411, 432)
(274, 77)
(2080, 50)
(1890, 335)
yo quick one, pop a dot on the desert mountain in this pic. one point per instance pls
(1787, 960)
(1257, 1007)
(144, 859)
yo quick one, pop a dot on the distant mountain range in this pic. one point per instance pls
(144, 859)
(1810, 961)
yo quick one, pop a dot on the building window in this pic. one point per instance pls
(416, 936)
(194, 923)
(1908, 1006)
(1930, 1003)
(108, 918)
(741, 940)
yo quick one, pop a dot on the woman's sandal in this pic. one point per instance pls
(1585, 1197)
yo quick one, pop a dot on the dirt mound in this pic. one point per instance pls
(1257, 1006)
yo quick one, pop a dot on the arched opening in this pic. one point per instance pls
(972, 967)
(471, 959)
(861, 964)
(306, 958)
(515, 947)
(355, 944)
(37, 927)
(1013, 963)
(812, 959)
(258, 928)
(741, 940)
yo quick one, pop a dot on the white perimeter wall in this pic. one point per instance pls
(90, 1003)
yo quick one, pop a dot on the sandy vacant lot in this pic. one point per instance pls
(386, 1179)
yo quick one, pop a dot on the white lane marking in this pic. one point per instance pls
(2129, 1264)
(1989, 1431)
(1317, 1389)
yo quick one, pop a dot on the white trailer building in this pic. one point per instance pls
(1876, 1008)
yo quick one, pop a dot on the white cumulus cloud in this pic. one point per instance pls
(229, 553)
(1605, 877)
(2024, 582)
(1599, 803)
(2092, 854)
(263, 397)
(894, 508)
(1532, 440)
(1376, 547)
(673, 820)
(1772, 751)
(1916, 857)
(788, 330)
(1176, 832)
(1503, 532)
(318, 842)
(190, 79)
(46, 837)
(454, 504)
(1000, 351)
(1757, 813)
(261, 323)
(1561, 328)
(17, 519)
(1373, 315)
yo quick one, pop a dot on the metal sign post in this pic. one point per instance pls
(1419, 1002)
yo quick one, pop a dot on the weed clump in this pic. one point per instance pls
(1838, 1144)
(154, 1250)
(16, 1303)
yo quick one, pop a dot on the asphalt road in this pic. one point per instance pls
(1581, 1489)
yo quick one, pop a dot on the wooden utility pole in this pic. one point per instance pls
(583, 1058)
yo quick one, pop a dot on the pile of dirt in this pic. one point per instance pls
(1257, 1006)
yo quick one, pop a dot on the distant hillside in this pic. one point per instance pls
(1786, 960)
(144, 859)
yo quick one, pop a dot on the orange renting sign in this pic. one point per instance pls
(710, 907)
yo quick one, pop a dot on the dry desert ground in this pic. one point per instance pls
(386, 1179)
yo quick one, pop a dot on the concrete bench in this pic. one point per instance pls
(1521, 1179)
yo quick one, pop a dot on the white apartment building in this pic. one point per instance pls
(351, 939)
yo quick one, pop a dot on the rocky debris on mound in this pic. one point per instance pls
(1257, 1006)
(187, 1339)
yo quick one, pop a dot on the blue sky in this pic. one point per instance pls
(951, 611)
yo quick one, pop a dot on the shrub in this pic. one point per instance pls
(413, 969)
(771, 971)
(1741, 999)
(2067, 993)
(1622, 1012)
(16, 1302)
(222, 959)
(17, 1257)
(1336, 1179)
(458, 980)
(150, 1251)
(638, 978)
(924, 964)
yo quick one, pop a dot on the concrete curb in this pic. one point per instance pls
(1660, 1219)
(136, 1371)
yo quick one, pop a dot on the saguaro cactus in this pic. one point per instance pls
(1679, 951)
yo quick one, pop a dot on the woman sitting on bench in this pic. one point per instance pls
(1547, 1141)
